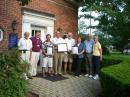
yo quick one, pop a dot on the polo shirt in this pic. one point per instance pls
(70, 43)
(24, 44)
(96, 49)
(89, 45)
(36, 44)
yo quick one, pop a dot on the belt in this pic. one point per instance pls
(24, 51)
(88, 53)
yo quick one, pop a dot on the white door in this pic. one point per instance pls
(43, 31)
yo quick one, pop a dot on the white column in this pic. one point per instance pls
(26, 28)
(50, 30)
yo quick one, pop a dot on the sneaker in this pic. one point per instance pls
(90, 76)
(26, 78)
(96, 77)
(30, 77)
(80, 75)
(60, 74)
(86, 75)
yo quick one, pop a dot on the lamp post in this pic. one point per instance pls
(14, 26)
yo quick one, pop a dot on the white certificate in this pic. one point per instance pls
(49, 50)
(75, 50)
(62, 47)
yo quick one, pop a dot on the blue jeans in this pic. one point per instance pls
(96, 64)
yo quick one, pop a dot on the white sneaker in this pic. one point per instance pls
(90, 76)
(26, 78)
(80, 75)
(86, 75)
(96, 77)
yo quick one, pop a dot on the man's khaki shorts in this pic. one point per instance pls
(68, 58)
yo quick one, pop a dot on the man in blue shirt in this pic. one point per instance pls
(88, 57)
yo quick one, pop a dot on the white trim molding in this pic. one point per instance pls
(1, 34)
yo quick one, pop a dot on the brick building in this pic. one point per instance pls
(43, 15)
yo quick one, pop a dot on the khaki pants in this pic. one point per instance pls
(34, 62)
(58, 59)
(25, 57)
(89, 68)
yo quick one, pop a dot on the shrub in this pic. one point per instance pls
(115, 79)
(11, 83)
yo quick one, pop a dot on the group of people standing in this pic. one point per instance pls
(51, 60)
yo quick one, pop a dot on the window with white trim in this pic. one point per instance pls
(1, 34)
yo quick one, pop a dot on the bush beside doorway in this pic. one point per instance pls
(11, 84)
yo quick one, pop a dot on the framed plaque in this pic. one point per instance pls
(49, 50)
(62, 47)
(74, 50)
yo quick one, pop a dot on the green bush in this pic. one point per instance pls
(115, 79)
(109, 61)
(11, 83)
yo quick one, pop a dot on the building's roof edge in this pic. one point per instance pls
(73, 2)
(36, 11)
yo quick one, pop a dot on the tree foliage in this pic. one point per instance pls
(23, 2)
(113, 17)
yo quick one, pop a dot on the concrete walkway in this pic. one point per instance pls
(71, 87)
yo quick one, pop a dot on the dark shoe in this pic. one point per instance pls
(50, 74)
(30, 77)
(44, 76)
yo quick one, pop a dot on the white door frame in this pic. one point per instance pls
(30, 18)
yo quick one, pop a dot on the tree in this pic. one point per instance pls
(82, 27)
(113, 17)
(23, 2)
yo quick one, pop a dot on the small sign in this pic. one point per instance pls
(13, 40)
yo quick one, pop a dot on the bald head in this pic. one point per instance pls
(26, 35)
(70, 35)
(88, 36)
(58, 34)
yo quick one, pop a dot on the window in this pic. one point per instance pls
(1, 34)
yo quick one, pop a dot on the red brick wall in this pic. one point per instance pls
(65, 14)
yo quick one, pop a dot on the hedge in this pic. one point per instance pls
(115, 79)
(11, 83)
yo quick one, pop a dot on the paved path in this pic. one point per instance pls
(72, 87)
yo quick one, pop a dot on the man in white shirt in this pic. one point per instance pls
(68, 57)
(58, 56)
(88, 50)
(25, 47)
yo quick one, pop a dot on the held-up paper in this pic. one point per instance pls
(74, 50)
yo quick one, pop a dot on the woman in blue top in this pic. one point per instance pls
(79, 56)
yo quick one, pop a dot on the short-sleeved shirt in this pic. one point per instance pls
(24, 44)
(36, 44)
(96, 49)
(81, 47)
(47, 44)
(56, 40)
(70, 43)
(89, 45)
